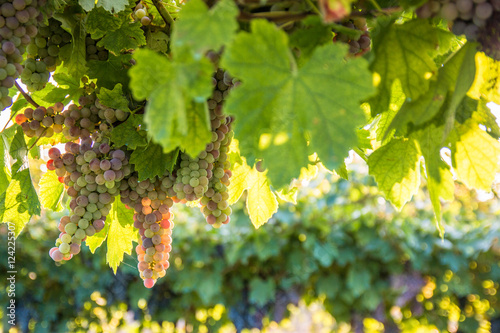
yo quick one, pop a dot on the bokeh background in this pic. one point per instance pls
(339, 260)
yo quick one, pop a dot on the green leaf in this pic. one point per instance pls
(318, 102)
(128, 36)
(487, 82)
(440, 188)
(329, 285)
(474, 155)
(51, 191)
(121, 233)
(157, 41)
(5, 175)
(20, 201)
(18, 151)
(95, 241)
(129, 134)
(76, 64)
(112, 6)
(396, 168)
(113, 98)
(173, 119)
(150, 161)
(453, 81)
(358, 279)
(313, 34)
(261, 291)
(110, 72)
(202, 29)
(99, 22)
(404, 52)
(67, 86)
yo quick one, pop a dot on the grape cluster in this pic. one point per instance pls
(214, 205)
(91, 118)
(357, 45)
(18, 24)
(478, 20)
(95, 52)
(141, 14)
(153, 219)
(93, 174)
(43, 54)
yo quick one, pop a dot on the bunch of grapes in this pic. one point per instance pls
(153, 219)
(141, 14)
(95, 52)
(91, 118)
(43, 54)
(360, 44)
(214, 205)
(18, 24)
(478, 20)
(93, 174)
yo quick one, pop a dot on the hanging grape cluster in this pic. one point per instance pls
(478, 20)
(141, 14)
(359, 44)
(94, 172)
(43, 54)
(18, 25)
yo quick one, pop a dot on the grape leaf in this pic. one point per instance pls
(121, 233)
(20, 201)
(157, 41)
(150, 161)
(487, 80)
(173, 119)
(129, 134)
(261, 202)
(128, 36)
(442, 187)
(396, 168)
(99, 22)
(18, 151)
(474, 155)
(113, 98)
(95, 241)
(313, 34)
(67, 86)
(76, 64)
(110, 72)
(112, 6)
(202, 29)
(318, 102)
(51, 191)
(384, 120)
(453, 81)
(404, 52)
(261, 291)
(5, 175)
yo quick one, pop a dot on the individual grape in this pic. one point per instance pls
(484, 11)
(358, 45)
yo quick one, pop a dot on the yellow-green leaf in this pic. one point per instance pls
(474, 155)
(261, 201)
(51, 191)
(120, 235)
(487, 81)
(396, 168)
(239, 181)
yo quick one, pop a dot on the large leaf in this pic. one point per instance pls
(396, 168)
(202, 29)
(128, 36)
(403, 52)
(280, 107)
(176, 112)
(121, 233)
(150, 161)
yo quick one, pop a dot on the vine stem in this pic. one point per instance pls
(25, 95)
(165, 15)
(36, 141)
(313, 6)
(345, 30)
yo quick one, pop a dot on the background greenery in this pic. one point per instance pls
(341, 246)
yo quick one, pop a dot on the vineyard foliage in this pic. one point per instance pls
(145, 97)
(338, 245)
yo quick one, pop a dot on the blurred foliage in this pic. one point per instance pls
(342, 245)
